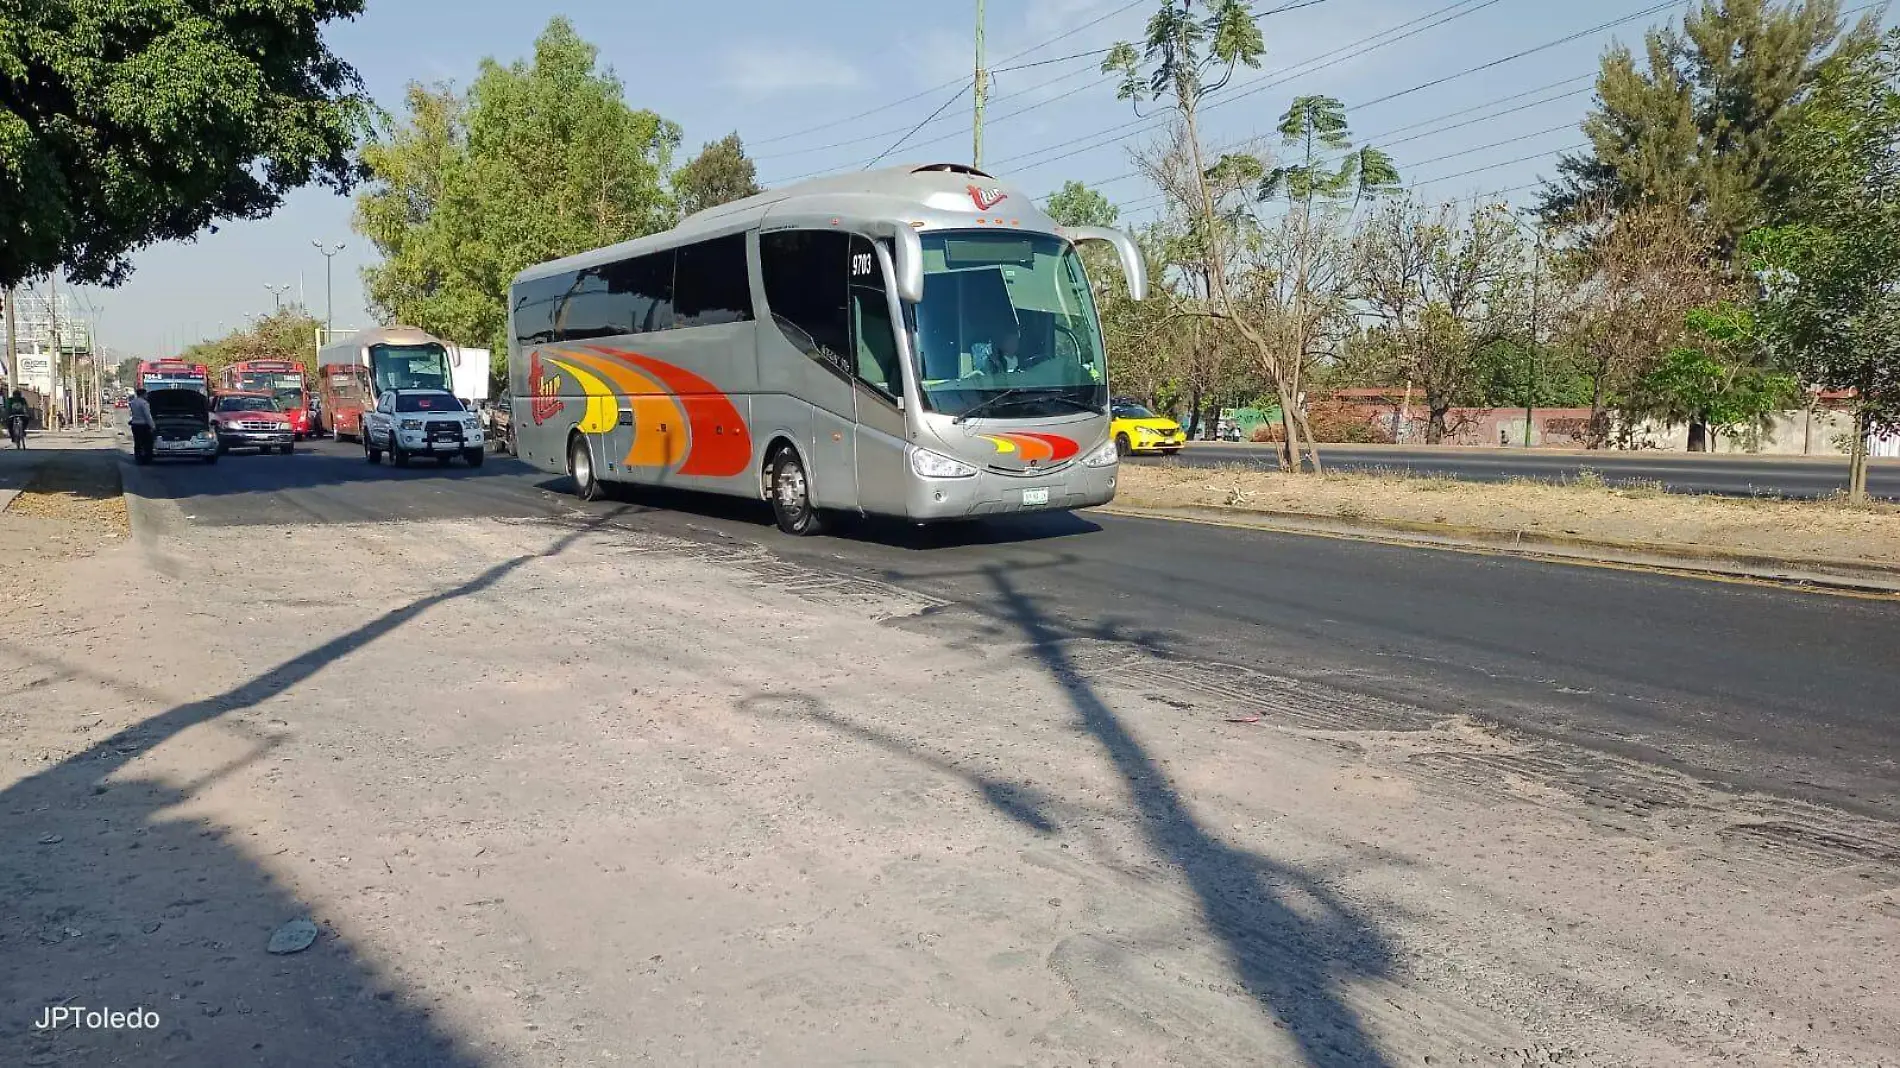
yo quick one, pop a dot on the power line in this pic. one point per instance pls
(1354, 49)
(879, 158)
(1293, 5)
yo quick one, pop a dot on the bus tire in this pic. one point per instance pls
(580, 464)
(791, 496)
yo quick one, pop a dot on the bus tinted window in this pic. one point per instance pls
(534, 308)
(710, 285)
(643, 287)
(591, 307)
(874, 340)
(805, 288)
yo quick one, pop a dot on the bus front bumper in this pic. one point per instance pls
(988, 493)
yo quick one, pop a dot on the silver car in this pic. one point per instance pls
(422, 422)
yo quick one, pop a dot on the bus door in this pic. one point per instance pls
(808, 387)
(883, 475)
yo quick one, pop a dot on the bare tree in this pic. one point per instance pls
(1629, 287)
(1441, 287)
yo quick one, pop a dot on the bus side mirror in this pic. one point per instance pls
(1134, 268)
(907, 261)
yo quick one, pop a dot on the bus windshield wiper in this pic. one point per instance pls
(991, 403)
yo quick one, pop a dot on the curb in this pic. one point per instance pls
(142, 513)
(1823, 574)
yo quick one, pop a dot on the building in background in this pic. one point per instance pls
(45, 322)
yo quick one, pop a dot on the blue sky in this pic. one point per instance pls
(773, 70)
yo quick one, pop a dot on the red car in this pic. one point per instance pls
(252, 421)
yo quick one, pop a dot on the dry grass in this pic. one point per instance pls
(81, 489)
(1587, 506)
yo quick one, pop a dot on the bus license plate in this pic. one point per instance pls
(1036, 496)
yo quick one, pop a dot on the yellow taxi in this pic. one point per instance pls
(1138, 430)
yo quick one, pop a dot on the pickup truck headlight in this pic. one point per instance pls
(412, 424)
(936, 465)
(1103, 456)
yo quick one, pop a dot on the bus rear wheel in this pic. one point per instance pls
(580, 464)
(791, 496)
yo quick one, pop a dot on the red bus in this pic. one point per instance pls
(175, 374)
(282, 379)
(345, 390)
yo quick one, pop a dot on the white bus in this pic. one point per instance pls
(918, 342)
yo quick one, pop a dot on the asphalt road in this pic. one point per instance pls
(1726, 474)
(1761, 688)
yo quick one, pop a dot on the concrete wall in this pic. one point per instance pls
(1821, 432)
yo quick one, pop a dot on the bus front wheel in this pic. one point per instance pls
(580, 464)
(791, 496)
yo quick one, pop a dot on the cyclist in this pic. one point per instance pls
(17, 413)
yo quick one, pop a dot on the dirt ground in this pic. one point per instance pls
(559, 795)
(1587, 509)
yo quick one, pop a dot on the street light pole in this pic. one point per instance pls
(277, 294)
(329, 293)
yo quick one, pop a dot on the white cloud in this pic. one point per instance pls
(762, 69)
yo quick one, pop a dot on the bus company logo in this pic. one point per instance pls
(544, 392)
(985, 199)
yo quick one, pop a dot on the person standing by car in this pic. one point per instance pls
(143, 428)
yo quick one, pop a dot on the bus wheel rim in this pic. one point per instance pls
(583, 465)
(791, 489)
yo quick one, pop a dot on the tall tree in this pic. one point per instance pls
(1704, 118)
(1626, 294)
(1714, 379)
(1185, 58)
(1831, 269)
(720, 174)
(1442, 289)
(541, 159)
(137, 121)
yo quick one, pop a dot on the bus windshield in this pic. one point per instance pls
(423, 366)
(1007, 312)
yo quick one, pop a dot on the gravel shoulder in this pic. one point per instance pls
(557, 793)
(1622, 515)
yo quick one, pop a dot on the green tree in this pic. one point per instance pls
(1831, 270)
(1714, 379)
(1704, 118)
(1076, 204)
(128, 122)
(540, 160)
(287, 334)
(720, 174)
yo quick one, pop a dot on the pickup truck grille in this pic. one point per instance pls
(248, 424)
(439, 429)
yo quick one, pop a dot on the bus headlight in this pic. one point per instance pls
(936, 465)
(1103, 456)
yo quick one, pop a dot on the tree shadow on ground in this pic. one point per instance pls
(111, 896)
(1295, 966)
(1292, 942)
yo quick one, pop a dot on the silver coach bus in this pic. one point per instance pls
(917, 342)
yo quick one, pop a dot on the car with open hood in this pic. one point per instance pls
(252, 421)
(181, 420)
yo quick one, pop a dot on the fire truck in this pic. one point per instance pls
(281, 379)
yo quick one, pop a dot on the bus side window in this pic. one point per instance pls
(805, 282)
(873, 341)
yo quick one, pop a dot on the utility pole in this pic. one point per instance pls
(56, 402)
(13, 343)
(1530, 392)
(329, 293)
(982, 90)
